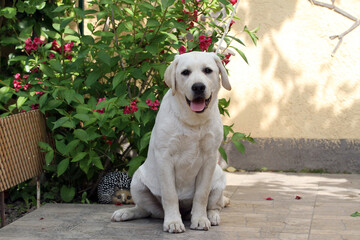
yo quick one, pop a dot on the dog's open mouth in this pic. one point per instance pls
(199, 104)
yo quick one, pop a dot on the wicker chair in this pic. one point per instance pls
(20, 155)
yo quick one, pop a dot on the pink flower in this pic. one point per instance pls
(156, 102)
(27, 86)
(231, 23)
(184, 11)
(38, 41)
(28, 45)
(101, 111)
(183, 1)
(298, 197)
(205, 42)
(180, 20)
(34, 70)
(149, 102)
(109, 142)
(153, 105)
(126, 110)
(17, 85)
(69, 56)
(25, 76)
(195, 14)
(182, 50)
(227, 58)
(39, 93)
(17, 76)
(233, 2)
(35, 106)
(269, 199)
(55, 46)
(191, 26)
(51, 55)
(131, 108)
(68, 47)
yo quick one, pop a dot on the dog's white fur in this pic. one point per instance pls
(181, 173)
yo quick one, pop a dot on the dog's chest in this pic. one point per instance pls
(189, 153)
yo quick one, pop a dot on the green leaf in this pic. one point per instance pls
(92, 78)
(237, 40)
(61, 8)
(134, 164)
(104, 57)
(152, 23)
(79, 156)
(69, 95)
(67, 193)
(20, 101)
(85, 165)
(239, 146)
(238, 136)
(56, 65)
(8, 12)
(144, 141)
(62, 166)
(47, 70)
(49, 157)
(118, 78)
(45, 146)
(223, 154)
(355, 214)
(72, 145)
(65, 22)
(81, 134)
(60, 122)
(26, 33)
(227, 130)
(104, 34)
(241, 54)
(82, 116)
(167, 3)
(97, 162)
(61, 147)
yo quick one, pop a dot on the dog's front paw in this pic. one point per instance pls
(122, 215)
(200, 223)
(214, 217)
(174, 227)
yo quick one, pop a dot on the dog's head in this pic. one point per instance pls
(195, 78)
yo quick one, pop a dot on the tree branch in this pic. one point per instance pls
(345, 14)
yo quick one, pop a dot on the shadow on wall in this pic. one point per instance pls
(290, 105)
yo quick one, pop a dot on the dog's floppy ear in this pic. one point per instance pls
(224, 77)
(170, 75)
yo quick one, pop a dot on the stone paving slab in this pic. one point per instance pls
(323, 212)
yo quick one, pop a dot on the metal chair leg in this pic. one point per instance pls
(38, 192)
(2, 200)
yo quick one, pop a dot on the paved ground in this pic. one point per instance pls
(323, 212)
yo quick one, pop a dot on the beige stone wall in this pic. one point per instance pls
(292, 86)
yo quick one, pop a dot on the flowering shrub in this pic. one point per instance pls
(100, 92)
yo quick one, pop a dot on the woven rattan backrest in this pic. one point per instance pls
(20, 155)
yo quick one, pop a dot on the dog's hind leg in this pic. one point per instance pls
(217, 200)
(146, 204)
(215, 204)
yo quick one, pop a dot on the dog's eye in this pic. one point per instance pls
(128, 197)
(185, 72)
(207, 70)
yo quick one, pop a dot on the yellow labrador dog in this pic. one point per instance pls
(180, 174)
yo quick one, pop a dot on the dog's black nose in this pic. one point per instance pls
(198, 88)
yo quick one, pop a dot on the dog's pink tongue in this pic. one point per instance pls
(197, 106)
